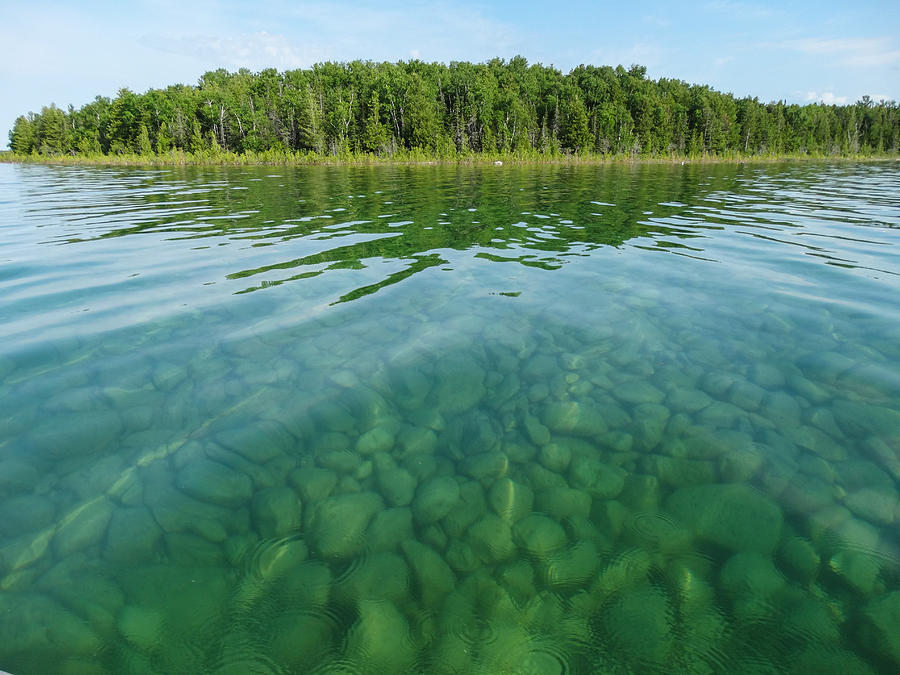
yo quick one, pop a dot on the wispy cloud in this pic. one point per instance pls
(657, 20)
(254, 50)
(321, 31)
(643, 53)
(859, 52)
(742, 9)
(827, 97)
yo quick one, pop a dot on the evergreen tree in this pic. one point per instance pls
(575, 134)
(142, 144)
(23, 134)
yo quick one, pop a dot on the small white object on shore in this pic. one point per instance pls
(498, 163)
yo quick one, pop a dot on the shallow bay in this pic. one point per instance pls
(452, 420)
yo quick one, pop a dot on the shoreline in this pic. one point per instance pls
(416, 159)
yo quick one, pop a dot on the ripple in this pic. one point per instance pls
(659, 530)
(339, 666)
(547, 658)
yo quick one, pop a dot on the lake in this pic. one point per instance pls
(440, 419)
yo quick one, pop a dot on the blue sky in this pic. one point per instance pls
(69, 52)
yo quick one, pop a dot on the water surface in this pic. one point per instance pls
(450, 420)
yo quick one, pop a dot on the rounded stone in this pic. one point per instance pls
(213, 482)
(539, 536)
(435, 498)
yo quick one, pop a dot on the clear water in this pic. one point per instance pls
(450, 420)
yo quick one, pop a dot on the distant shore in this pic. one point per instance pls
(177, 158)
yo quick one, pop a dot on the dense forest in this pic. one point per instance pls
(438, 110)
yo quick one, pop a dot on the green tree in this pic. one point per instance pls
(23, 135)
(375, 134)
(575, 133)
(142, 144)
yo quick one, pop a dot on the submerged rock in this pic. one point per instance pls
(639, 626)
(573, 566)
(36, 626)
(563, 502)
(82, 527)
(679, 472)
(379, 439)
(539, 536)
(339, 523)
(213, 482)
(750, 574)
(397, 485)
(142, 626)
(132, 536)
(380, 641)
(799, 558)
(460, 384)
(71, 435)
(25, 513)
(435, 498)
(874, 504)
(259, 441)
(596, 478)
(510, 500)
(17, 476)
(571, 417)
(276, 511)
(486, 467)
(434, 578)
(380, 576)
(637, 392)
(312, 483)
(491, 539)
(733, 516)
(300, 640)
(879, 630)
(389, 528)
(687, 400)
(858, 569)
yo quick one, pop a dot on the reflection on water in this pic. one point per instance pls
(301, 421)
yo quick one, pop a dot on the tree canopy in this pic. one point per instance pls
(451, 109)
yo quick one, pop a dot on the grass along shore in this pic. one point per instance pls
(407, 157)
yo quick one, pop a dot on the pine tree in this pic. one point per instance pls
(375, 133)
(142, 144)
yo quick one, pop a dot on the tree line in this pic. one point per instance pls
(383, 109)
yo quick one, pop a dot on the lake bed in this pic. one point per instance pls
(450, 419)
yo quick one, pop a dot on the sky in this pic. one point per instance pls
(824, 50)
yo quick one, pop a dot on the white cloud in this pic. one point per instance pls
(254, 50)
(742, 9)
(859, 52)
(642, 53)
(306, 33)
(828, 98)
(656, 20)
